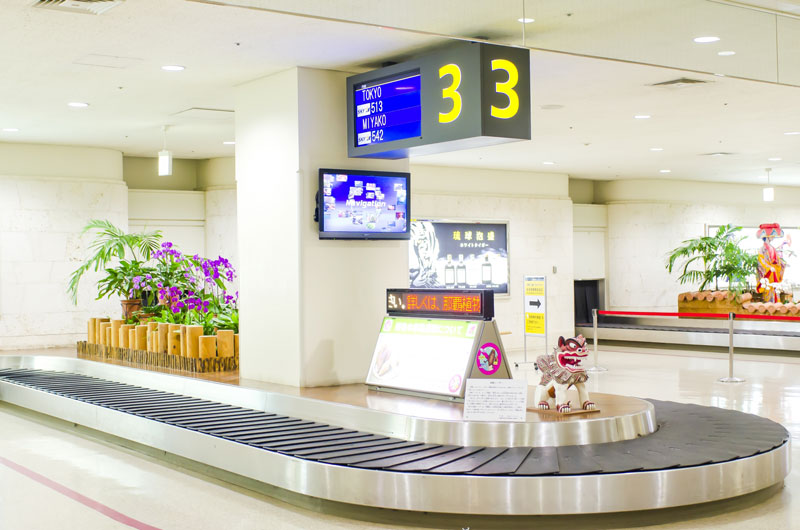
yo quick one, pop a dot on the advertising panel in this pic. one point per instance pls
(423, 355)
(458, 255)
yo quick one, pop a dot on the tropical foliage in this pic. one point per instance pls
(110, 244)
(709, 259)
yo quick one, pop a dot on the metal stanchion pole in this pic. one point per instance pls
(596, 367)
(730, 378)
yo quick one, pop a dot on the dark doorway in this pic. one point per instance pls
(587, 297)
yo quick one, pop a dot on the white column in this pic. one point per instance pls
(310, 309)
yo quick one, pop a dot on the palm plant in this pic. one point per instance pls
(721, 257)
(110, 243)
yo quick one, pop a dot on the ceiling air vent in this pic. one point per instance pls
(680, 82)
(86, 7)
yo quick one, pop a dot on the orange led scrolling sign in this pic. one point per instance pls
(441, 303)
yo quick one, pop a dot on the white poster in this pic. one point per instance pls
(423, 355)
(496, 400)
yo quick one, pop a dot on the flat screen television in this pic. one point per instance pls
(363, 204)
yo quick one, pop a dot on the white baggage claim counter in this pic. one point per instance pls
(356, 445)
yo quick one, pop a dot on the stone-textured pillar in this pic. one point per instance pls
(310, 309)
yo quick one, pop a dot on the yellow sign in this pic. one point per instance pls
(534, 288)
(535, 305)
(534, 323)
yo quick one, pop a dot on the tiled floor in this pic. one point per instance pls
(54, 478)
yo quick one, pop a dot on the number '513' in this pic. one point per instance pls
(505, 88)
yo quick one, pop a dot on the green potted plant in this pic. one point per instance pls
(131, 251)
(721, 257)
(708, 260)
(131, 281)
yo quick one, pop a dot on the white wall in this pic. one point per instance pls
(647, 219)
(34, 160)
(47, 195)
(221, 227)
(199, 222)
(590, 223)
(180, 215)
(141, 173)
(217, 177)
(581, 191)
(539, 213)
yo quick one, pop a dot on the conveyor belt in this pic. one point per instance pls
(688, 435)
(654, 327)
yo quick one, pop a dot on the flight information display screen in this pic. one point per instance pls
(388, 109)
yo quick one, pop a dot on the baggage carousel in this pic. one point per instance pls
(759, 335)
(409, 453)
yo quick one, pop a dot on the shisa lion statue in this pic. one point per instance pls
(771, 265)
(561, 370)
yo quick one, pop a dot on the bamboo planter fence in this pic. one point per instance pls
(161, 345)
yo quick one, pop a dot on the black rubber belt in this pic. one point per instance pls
(688, 435)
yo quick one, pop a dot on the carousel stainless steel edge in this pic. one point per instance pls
(466, 494)
(446, 432)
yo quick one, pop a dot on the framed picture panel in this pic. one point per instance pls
(447, 254)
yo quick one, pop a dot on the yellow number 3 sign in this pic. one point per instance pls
(506, 88)
(451, 92)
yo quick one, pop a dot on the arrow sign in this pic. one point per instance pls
(535, 305)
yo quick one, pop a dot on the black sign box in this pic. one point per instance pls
(470, 95)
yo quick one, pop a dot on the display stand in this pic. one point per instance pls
(534, 311)
(433, 340)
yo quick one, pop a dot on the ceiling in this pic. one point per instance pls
(595, 134)
(220, 48)
(764, 34)
(592, 135)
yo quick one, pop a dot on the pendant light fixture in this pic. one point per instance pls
(164, 157)
(768, 193)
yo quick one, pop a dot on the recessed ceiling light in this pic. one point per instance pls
(791, 133)
(548, 163)
(229, 143)
(642, 116)
(727, 53)
(173, 68)
(77, 104)
(665, 171)
(775, 159)
(526, 20)
(656, 148)
(10, 129)
(720, 75)
(705, 40)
